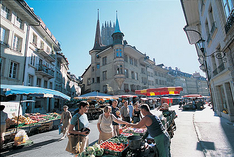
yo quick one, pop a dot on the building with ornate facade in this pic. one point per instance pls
(120, 68)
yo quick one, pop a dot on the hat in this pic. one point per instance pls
(65, 106)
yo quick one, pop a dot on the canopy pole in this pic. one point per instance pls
(18, 113)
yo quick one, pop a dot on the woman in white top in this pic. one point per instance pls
(104, 124)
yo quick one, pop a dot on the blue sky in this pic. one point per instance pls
(154, 27)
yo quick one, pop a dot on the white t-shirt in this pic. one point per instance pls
(106, 123)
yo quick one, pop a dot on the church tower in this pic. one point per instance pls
(97, 42)
(118, 54)
(117, 35)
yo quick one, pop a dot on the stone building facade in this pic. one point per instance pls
(120, 68)
(211, 23)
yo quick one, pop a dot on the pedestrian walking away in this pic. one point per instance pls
(65, 120)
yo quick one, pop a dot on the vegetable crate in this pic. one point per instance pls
(115, 153)
(114, 149)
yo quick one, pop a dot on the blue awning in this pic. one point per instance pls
(94, 94)
(33, 91)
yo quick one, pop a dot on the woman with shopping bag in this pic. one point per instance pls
(78, 130)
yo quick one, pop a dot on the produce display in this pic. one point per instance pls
(21, 120)
(117, 147)
(118, 139)
(133, 130)
(92, 151)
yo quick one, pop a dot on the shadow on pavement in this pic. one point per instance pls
(228, 129)
(207, 145)
(27, 148)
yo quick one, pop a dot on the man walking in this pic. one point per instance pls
(65, 120)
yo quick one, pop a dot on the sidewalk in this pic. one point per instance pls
(215, 134)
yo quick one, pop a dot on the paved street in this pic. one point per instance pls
(198, 134)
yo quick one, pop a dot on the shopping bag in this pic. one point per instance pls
(72, 144)
(60, 128)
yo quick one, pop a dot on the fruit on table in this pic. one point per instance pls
(113, 146)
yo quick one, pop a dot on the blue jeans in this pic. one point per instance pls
(163, 144)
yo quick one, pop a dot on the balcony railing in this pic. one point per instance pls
(230, 22)
(45, 71)
(221, 67)
(49, 57)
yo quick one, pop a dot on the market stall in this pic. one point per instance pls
(19, 125)
(97, 102)
(128, 144)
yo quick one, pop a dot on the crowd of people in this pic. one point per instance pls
(136, 116)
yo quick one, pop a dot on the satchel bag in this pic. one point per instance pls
(73, 145)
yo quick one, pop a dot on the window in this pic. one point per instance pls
(5, 12)
(126, 73)
(98, 66)
(119, 69)
(126, 87)
(45, 84)
(125, 58)
(42, 45)
(104, 75)
(2, 61)
(48, 49)
(135, 62)
(19, 22)
(93, 68)
(38, 82)
(35, 39)
(105, 88)
(13, 70)
(51, 85)
(136, 76)
(228, 6)
(131, 60)
(30, 80)
(17, 43)
(32, 60)
(120, 54)
(133, 75)
(93, 80)
(88, 81)
(211, 16)
(143, 70)
(98, 79)
(104, 60)
(4, 35)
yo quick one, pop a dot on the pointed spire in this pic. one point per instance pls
(97, 42)
(117, 29)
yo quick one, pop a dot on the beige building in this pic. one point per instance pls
(120, 68)
(30, 56)
(15, 22)
(210, 27)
